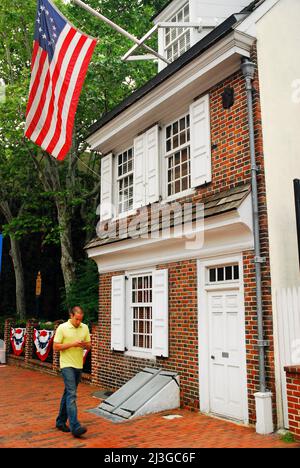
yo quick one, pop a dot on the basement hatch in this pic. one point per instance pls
(149, 391)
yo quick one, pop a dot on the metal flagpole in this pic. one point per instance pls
(119, 29)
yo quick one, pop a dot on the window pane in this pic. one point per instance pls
(236, 274)
(177, 158)
(221, 274)
(182, 138)
(184, 154)
(212, 275)
(228, 273)
(185, 169)
(185, 183)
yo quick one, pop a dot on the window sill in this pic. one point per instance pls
(124, 215)
(186, 193)
(140, 355)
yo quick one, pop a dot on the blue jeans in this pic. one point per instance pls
(68, 407)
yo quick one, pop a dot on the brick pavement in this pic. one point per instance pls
(29, 402)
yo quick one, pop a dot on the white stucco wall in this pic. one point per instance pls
(278, 42)
(278, 46)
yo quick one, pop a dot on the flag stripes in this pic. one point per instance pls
(60, 60)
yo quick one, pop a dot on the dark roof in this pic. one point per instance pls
(219, 203)
(248, 8)
(200, 47)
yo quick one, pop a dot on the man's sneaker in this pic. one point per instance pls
(79, 432)
(63, 428)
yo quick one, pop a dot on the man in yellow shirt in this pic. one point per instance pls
(71, 338)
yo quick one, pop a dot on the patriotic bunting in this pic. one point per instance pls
(18, 340)
(43, 342)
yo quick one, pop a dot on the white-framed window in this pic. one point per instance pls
(223, 274)
(178, 40)
(125, 168)
(177, 155)
(140, 313)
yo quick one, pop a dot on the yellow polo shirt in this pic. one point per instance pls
(67, 333)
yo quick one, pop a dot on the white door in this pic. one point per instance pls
(226, 356)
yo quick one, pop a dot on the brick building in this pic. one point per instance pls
(175, 244)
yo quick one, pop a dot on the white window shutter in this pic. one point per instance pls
(118, 313)
(160, 314)
(139, 172)
(106, 210)
(200, 142)
(152, 165)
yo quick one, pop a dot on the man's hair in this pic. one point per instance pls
(76, 310)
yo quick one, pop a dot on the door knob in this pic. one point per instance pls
(212, 357)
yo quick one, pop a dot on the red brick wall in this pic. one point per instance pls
(293, 396)
(251, 334)
(115, 368)
(231, 166)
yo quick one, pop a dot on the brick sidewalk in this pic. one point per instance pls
(29, 403)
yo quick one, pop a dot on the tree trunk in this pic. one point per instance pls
(67, 260)
(18, 265)
(19, 275)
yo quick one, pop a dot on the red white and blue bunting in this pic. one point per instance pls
(18, 340)
(43, 341)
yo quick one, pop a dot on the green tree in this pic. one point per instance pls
(69, 185)
(14, 177)
(84, 290)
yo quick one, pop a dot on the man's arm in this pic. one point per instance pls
(64, 346)
(87, 345)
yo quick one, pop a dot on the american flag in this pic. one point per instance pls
(60, 59)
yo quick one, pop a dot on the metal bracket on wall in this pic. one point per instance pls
(258, 259)
(263, 343)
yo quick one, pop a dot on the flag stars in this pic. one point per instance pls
(43, 8)
(38, 21)
(44, 36)
(47, 12)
